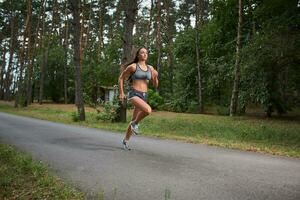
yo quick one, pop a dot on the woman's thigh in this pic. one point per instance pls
(135, 112)
(140, 104)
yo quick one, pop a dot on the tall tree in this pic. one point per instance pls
(45, 57)
(32, 50)
(115, 23)
(8, 74)
(101, 14)
(184, 13)
(235, 91)
(20, 84)
(2, 71)
(75, 8)
(198, 25)
(66, 53)
(170, 23)
(147, 42)
(30, 55)
(131, 11)
(158, 38)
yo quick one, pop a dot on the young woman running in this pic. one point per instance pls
(139, 74)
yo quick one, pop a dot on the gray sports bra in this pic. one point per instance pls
(141, 74)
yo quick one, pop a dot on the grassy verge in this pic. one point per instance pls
(23, 178)
(276, 136)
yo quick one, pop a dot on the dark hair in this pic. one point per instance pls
(136, 58)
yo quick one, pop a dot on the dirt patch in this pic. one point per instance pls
(7, 102)
(64, 107)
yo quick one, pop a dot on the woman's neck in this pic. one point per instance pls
(142, 63)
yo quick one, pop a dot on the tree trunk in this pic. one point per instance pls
(101, 14)
(45, 60)
(86, 40)
(199, 22)
(36, 41)
(30, 55)
(82, 31)
(66, 56)
(158, 39)
(75, 7)
(55, 18)
(2, 71)
(147, 42)
(42, 75)
(115, 25)
(131, 12)
(20, 85)
(235, 92)
(170, 35)
(8, 75)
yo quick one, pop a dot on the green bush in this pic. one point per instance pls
(75, 116)
(109, 111)
(176, 105)
(222, 110)
(193, 107)
(155, 100)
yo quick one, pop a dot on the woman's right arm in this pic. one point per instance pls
(126, 73)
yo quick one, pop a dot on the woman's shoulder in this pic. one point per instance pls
(131, 67)
(150, 66)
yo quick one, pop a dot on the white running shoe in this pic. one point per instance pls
(125, 145)
(134, 128)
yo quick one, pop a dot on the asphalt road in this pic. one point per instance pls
(93, 160)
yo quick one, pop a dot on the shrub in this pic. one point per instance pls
(109, 111)
(155, 100)
(193, 107)
(75, 116)
(222, 110)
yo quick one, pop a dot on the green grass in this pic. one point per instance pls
(275, 136)
(23, 178)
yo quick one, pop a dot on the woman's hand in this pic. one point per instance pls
(154, 77)
(121, 97)
(154, 74)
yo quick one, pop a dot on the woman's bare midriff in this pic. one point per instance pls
(140, 85)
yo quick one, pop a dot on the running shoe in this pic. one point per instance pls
(134, 128)
(125, 145)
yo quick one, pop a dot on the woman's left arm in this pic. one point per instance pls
(154, 77)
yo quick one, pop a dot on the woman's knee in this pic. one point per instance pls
(148, 111)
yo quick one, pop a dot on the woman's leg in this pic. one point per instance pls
(142, 106)
(141, 110)
(134, 115)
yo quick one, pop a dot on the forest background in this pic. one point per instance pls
(232, 55)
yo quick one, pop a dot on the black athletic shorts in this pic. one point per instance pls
(135, 93)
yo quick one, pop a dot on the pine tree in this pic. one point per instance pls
(235, 91)
(75, 8)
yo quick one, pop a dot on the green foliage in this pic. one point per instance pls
(101, 70)
(193, 107)
(270, 79)
(269, 55)
(54, 70)
(75, 117)
(176, 105)
(108, 112)
(222, 110)
(155, 100)
(186, 73)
